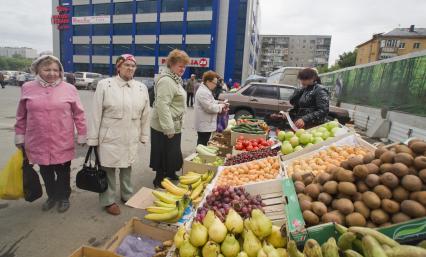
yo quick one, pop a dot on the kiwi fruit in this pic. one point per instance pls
(379, 216)
(404, 158)
(355, 219)
(310, 218)
(332, 217)
(418, 147)
(378, 162)
(354, 161)
(372, 168)
(361, 171)
(299, 186)
(305, 205)
(334, 203)
(360, 207)
(302, 197)
(361, 186)
(386, 167)
(412, 141)
(387, 157)
(412, 171)
(422, 175)
(356, 197)
(297, 176)
(390, 206)
(368, 158)
(372, 180)
(371, 200)
(344, 175)
(387, 224)
(345, 206)
(399, 169)
(324, 177)
(400, 217)
(399, 194)
(379, 151)
(319, 208)
(313, 190)
(411, 183)
(346, 188)
(389, 179)
(420, 162)
(341, 195)
(308, 179)
(383, 192)
(330, 187)
(413, 209)
(370, 225)
(325, 198)
(345, 165)
(413, 196)
(421, 197)
(403, 149)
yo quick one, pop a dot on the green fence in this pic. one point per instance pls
(398, 85)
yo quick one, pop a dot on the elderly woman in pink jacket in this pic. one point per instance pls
(48, 111)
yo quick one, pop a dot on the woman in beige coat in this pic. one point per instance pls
(119, 122)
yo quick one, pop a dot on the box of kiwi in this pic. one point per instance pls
(377, 190)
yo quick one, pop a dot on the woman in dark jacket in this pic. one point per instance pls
(310, 101)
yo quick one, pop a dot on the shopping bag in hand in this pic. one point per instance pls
(11, 181)
(92, 178)
(222, 121)
(31, 181)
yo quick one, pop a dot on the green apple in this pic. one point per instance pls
(298, 148)
(318, 140)
(286, 142)
(308, 145)
(294, 141)
(325, 135)
(317, 134)
(305, 138)
(289, 135)
(322, 129)
(286, 149)
(332, 124)
(299, 132)
(281, 135)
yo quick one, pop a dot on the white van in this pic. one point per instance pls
(285, 75)
(84, 80)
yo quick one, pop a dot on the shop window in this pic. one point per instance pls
(101, 50)
(199, 27)
(147, 6)
(81, 49)
(145, 50)
(123, 29)
(123, 8)
(146, 28)
(172, 5)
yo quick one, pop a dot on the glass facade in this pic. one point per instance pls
(124, 29)
(199, 5)
(101, 9)
(147, 6)
(119, 49)
(172, 5)
(146, 28)
(100, 68)
(123, 8)
(166, 48)
(101, 29)
(81, 49)
(81, 67)
(198, 50)
(239, 38)
(145, 71)
(101, 50)
(171, 28)
(81, 10)
(145, 50)
(199, 27)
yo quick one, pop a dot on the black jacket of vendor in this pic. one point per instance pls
(310, 104)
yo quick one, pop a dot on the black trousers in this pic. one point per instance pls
(203, 138)
(57, 180)
(189, 99)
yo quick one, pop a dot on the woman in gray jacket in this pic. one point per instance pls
(207, 108)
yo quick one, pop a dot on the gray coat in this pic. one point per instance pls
(206, 110)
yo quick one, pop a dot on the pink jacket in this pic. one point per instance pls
(45, 122)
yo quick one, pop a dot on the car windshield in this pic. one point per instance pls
(78, 75)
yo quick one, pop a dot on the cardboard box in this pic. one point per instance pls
(235, 135)
(188, 165)
(87, 251)
(136, 226)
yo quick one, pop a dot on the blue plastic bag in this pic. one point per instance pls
(222, 121)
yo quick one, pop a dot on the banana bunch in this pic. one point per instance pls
(170, 205)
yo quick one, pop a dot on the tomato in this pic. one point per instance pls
(241, 138)
(265, 144)
(254, 144)
(260, 140)
(255, 148)
(239, 147)
(249, 148)
(246, 143)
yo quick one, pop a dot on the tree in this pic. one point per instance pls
(15, 63)
(347, 59)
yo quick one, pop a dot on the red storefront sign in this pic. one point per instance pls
(62, 19)
(194, 62)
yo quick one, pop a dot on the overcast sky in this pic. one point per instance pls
(350, 22)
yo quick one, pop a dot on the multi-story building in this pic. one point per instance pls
(397, 42)
(22, 51)
(221, 35)
(292, 51)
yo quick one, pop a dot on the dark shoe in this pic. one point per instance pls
(49, 204)
(113, 209)
(157, 184)
(173, 177)
(63, 206)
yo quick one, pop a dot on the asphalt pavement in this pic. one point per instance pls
(27, 231)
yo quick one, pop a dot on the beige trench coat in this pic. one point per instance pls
(119, 121)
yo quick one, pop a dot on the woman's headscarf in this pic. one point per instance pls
(123, 58)
(36, 65)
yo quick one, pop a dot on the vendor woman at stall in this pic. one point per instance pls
(310, 102)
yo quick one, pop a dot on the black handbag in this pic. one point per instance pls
(31, 181)
(92, 178)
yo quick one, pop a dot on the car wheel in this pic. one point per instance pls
(89, 86)
(242, 112)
